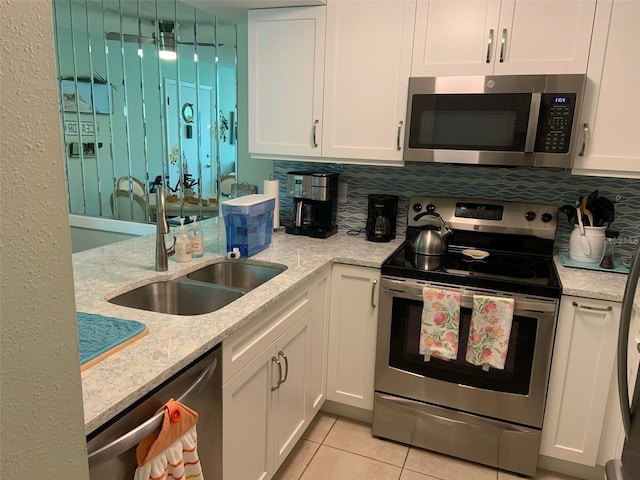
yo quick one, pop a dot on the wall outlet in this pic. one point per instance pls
(342, 192)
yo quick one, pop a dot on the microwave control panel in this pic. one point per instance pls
(554, 122)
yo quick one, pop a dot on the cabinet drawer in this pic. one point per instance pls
(245, 344)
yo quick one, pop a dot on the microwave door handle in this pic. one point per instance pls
(532, 127)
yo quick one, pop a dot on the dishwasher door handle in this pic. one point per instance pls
(142, 431)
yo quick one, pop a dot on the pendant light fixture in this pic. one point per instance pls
(167, 39)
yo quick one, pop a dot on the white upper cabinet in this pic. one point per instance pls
(367, 66)
(612, 95)
(342, 100)
(484, 37)
(286, 68)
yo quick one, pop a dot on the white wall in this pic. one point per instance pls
(249, 170)
(40, 391)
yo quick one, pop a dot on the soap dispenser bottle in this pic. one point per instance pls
(183, 245)
(197, 239)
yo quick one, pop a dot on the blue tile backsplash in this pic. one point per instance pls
(541, 185)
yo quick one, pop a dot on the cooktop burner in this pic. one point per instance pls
(499, 271)
(517, 236)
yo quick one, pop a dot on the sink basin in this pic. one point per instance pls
(178, 297)
(236, 274)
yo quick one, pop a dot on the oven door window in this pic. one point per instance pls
(404, 352)
(493, 122)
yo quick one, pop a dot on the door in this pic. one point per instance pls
(455, 38)
(247, 420)
(611, 144)
(583, 362)
(289, 398)
(320, 295)
(352, 335)
(514, 394)
(367, 66)
(509, 37)
(286, 69)
(549, 36)
(189, 142)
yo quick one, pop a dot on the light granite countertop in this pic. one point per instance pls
(594, 284)
(175, 341)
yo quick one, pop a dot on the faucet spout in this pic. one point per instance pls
(162, 252)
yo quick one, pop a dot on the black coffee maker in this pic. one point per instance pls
(381, 218)
(315, 204)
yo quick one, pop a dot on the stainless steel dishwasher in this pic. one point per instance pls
(112, 448)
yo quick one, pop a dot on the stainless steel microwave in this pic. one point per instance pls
(523, 120)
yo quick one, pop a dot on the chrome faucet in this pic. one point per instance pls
(162, 252)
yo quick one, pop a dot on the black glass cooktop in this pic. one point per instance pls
(517, 273)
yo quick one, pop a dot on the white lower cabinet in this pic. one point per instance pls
(321, 295)
(582, 366)
(613, 432)
(265, 392)
(352, 335)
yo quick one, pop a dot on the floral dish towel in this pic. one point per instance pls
(440, 324)
(489, 332)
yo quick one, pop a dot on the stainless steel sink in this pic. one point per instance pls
(203, 291)
(236, 274)
(178, 297)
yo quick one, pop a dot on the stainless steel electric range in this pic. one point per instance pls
(491, 417)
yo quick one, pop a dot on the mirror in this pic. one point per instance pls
(147, 94)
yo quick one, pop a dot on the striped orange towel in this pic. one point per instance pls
(171, 452)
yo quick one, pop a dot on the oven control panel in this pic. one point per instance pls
(517, 218)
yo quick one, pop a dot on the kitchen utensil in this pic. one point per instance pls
(603, 211)
(475, 254)
(584, 241)
(431, 240)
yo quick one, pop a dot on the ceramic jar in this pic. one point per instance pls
(589, 251)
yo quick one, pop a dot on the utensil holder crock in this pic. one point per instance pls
(595, 236)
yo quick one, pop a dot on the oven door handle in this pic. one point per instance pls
(414, 291)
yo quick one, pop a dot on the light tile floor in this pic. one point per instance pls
(337, 448)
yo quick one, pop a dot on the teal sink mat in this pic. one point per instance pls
(98, 334)
(618, 266)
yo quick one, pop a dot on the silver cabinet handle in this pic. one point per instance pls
(373, 291)
(489, 45)
(503, 44)
(398, 138)
(286, 365)
(585, 139)
(142, 431)
(277, 362)
(315, 128)
(608, 308)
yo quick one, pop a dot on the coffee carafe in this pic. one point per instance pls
(381, 217)
(315, 203)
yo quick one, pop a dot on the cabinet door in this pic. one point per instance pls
(582, 365)
(286, 68)
(613, 431)
(352, 335)
(367, 65)
(247, 421)
(612, 96)
(320, 296)
(289, 398)
(543, 36)
(455, 37)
